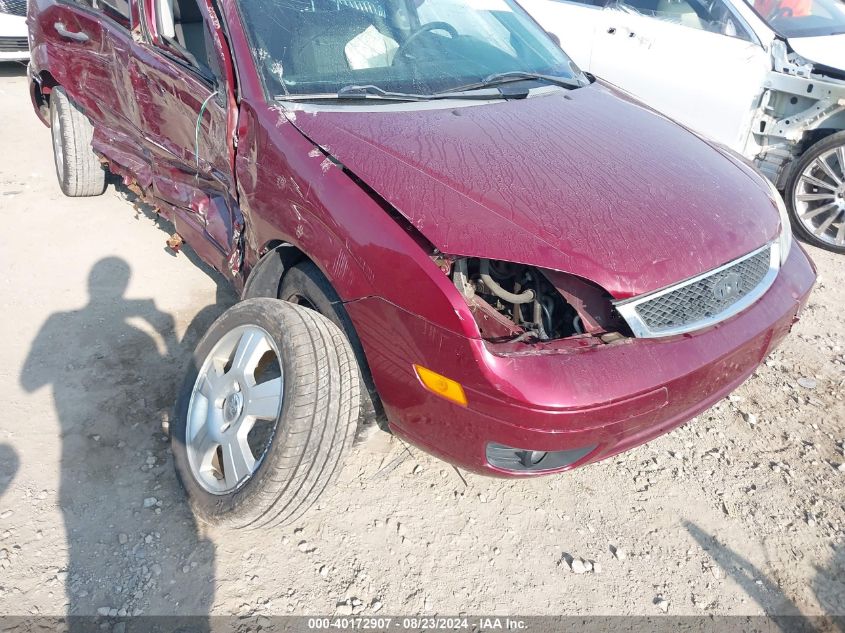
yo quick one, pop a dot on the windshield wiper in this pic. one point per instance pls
(498, 79)
(370, 91)
(355, 92)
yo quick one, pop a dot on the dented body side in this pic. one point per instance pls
(267, 180)
(145, 109)
(801, 104)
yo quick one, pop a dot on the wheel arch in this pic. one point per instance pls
(41, 84)
(265, 280)
(808, 141)
(817, 136)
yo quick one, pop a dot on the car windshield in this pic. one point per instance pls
(386, 47)
(802, 18)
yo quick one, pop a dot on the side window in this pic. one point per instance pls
(705, 15)
(117, 10)
(182, 30)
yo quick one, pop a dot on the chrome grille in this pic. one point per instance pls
(14, 7)
(13, 44)
(704, 300)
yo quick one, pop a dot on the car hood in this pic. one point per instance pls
(587, 182)
(828, 50)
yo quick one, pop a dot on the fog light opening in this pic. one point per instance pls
(526, 460)
(531, 458)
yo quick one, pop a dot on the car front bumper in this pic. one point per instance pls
(598, 400)
(14, 38)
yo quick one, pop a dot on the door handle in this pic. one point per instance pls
(76, 37)
(612, 31)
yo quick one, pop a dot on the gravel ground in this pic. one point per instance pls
(739, 512)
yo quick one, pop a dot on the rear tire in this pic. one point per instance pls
(318, 391)
(78, 168)
(812, 179)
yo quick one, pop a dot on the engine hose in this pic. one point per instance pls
(538, 321)
(548, 308)
(538, 312)
(496, 289)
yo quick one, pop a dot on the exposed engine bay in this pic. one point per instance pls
(514, 302)
(801, 103)
(526, 304)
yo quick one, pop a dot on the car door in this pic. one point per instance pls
(696, 61)
(183, 83)
(574, 22)
(81, 43)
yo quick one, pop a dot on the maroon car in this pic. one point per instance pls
(514, 265)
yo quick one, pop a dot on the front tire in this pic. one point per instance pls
(815, 194)
(267, 412)
(305, 285)
(78, 169)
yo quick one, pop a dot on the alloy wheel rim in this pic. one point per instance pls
(819, 198)
(234, 409)
(57, 144)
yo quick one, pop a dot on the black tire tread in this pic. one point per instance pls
(83, 173)
(306, 279)
(827, 143)
(318, 422)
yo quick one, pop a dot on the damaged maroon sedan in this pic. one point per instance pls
(510, 263)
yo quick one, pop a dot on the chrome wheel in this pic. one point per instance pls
(58, 150)
(819, 198)
(234, 408)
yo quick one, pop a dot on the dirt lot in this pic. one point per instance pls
(742, 511)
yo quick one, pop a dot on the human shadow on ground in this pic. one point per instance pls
(9, 464)
(114, 367)
(784, 613)
(225, 294)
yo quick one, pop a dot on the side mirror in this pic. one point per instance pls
(554, 37)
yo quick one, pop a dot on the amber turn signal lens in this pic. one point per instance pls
(442, 386)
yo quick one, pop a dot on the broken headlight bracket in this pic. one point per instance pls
(519, 303)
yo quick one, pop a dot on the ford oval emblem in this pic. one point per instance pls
(727, 287)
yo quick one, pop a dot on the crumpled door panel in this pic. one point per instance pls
(206, 207)
(189, 158)
(85, 54)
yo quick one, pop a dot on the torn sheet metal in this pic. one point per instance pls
(800, 98)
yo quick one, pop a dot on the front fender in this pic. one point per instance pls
(292, 193)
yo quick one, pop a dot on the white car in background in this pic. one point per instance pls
(765, 78)
(14, 37)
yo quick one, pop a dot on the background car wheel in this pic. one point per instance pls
(78, 168)
(266, 413)
(815, 194)
(305, 285)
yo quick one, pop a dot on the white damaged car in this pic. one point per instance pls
(765, 78)
(14, 37)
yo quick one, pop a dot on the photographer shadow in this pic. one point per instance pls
(114, 367)
(782, 612)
